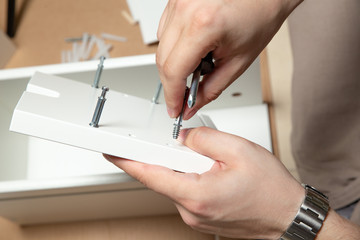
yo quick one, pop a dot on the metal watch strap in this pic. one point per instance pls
(310, 216)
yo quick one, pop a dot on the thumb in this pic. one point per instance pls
(161, 179)
(212, 143)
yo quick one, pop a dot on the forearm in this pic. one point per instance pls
(336, 227)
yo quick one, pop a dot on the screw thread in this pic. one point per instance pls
(176, 131)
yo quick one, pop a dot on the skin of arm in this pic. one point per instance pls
(336, 227)
(236, 31)
(248, 193)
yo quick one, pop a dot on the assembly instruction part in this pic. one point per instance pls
(59, 109)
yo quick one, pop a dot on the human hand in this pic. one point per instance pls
(247, 193)
(236, 31)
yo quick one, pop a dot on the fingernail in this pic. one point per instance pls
(171, 112)
(183, 134)
(191, 113)
(107, 157)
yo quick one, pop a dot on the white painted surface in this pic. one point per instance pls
(136, 75)
(249, 122)
(76, 67)
(148, 14)
(129, 127)
(134, 6)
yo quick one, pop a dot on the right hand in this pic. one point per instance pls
(235, 30)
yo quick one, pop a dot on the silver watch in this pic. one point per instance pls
(310, 216)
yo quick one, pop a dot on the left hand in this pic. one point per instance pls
(247, 193)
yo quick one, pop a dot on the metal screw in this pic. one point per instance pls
(178, 120)
(99, 108)
(98, 72)
(157, 94)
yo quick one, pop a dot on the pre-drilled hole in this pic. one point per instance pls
(236, 94)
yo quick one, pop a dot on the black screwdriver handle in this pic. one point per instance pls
(207, 64)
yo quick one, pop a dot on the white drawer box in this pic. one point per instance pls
(43, 181)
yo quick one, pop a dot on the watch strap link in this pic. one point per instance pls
(310, 216)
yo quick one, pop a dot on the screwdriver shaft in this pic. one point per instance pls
(156, 96)
(194, 87)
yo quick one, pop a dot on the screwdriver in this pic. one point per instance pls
(206, 66)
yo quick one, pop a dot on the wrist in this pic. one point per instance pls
(284, 208)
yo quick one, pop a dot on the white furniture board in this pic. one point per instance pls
(148, 14)
(249, 122)
(134, 7)
(23, 157)
(60, 110)
(64, 161)
(134, 75)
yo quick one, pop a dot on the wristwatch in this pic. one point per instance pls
(310, 216)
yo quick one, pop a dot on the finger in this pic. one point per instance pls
(162, 21)
(169, 37)
(174, 82)
(161, 179)
(180, 63)
(213, 84)
(220, 146)
(166, 18)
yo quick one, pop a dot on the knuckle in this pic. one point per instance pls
(168, 70)
(199, 208)
(191, 221)
(159, 60)
(159, 33)
(196, 136)
(203, 19)
(181, 5)
(211, 96)
(242, 146)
